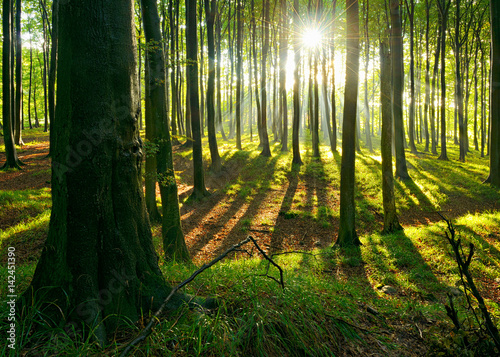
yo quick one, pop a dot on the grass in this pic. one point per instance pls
(324, 308)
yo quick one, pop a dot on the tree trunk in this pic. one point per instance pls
(266, 151)
(283, 113)
(494, 177)
(12, 160)
(210, 12)
(296, 86)
(333, 140)
(199, 189)
(239, 69)
(458, 84)
(369, 145)
(98, 265)
(443, 9)
(397, 78)
(347, 230)
(174, 245)
(53, 65)
(391, 222)
(411, 120)
(19, 79)
(427, 99)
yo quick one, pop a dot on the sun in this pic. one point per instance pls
(312, 38)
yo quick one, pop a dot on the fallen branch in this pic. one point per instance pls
(148, 329)
(463, 263)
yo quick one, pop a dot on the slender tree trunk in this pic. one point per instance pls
(150, 176)
(347, 230)
(199, 189)
(12, 160)
(31, 77)
(210, 12)
(333, 140)
(397, 77)
(296, 86)
(174, 245)
(411, 125)
(427, 106)
(266, 151)
(443, 8)
(53, 66)
(366, 11)
(494, 177)
(283, 113)
(391, 222)
(239, 69)
(19, 50)
(458, 84)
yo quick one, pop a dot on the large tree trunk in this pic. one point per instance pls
(7, 110)
(210, 12)
(494, 177)
(199, 189)
(98, 264)
(391, 222)
(347, 229)
(397, 78)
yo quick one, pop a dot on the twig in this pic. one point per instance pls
(147, 330)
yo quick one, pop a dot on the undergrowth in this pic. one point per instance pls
(334, 301)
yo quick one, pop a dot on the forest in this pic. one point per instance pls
(250, 178)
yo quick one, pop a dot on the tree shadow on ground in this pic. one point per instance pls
(399, 264)
(245, 206)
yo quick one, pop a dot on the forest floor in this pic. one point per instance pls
(297, 210)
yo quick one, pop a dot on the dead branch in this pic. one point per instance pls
(148, 329)
(463, 263)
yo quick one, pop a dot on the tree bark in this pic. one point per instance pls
(494, 177)
(19, 79)
(397, 78)
(199, 190)
(391, 221)
(347, 230)
(296, 87)
(174, 245)
(12, 160)
(98, 265)
(210, 12)
(266, 151)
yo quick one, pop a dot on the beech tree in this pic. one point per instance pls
(397, 89)
(99, 264)
(347, 230)
(199, 190)
(210, 12)
(296, 87)
(174, 245)
(494, 177)
(391, 222)
(7, 88)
